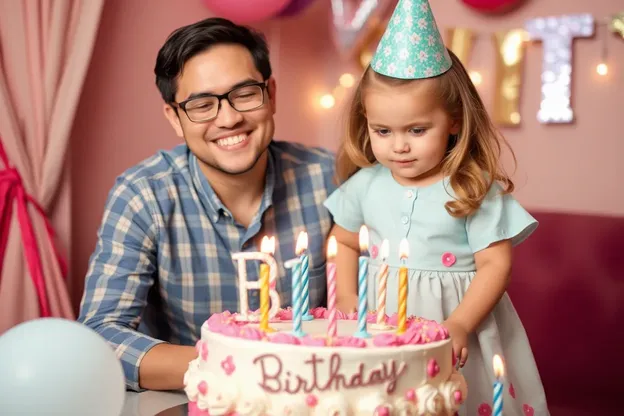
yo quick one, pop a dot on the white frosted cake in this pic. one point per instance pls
(241, 370)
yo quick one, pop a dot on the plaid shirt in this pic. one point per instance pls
(163, 255)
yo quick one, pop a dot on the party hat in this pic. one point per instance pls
(411, 47)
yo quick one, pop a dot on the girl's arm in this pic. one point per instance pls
(346, 269)
(487, 287)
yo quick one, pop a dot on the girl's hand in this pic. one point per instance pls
(459, 338)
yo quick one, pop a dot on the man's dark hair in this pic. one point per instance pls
(186, 42)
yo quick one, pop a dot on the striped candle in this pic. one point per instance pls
(402, 312)
(499, 370)
(363, 284)
(264, 296)
(305, 289)
(297, 289)
(332, 322)
(383, 284)
(296, 298)
(266, 246)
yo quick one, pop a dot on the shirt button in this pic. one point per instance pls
(409, 194)
(404, 219)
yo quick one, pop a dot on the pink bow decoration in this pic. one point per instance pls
(13, 193)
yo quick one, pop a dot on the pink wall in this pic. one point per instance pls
(119, 119)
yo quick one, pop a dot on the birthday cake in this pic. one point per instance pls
(244, 370)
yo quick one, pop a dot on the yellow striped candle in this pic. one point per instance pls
(402, 313)
(266, 246)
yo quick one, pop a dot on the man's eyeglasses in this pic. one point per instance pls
(206, 107)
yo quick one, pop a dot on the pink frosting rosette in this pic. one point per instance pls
(413, 335)
(214, 319)
(230, 330)
(393, 319)
(432, 331)
(387, 340)
(248, 332)
(436, 332)
(219, 321)
(285, 338)
(284, 314)
(353, 342)
(372, 318)
(341, 315)
(313, 341)
(319, 313)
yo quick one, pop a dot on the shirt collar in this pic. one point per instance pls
(269, 185)
(211, 201)
(208, 197)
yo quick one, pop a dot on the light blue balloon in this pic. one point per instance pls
(58, 367)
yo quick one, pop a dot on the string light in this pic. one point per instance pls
(346, 80)
(476, 77)
(327, 101)
(602, 68)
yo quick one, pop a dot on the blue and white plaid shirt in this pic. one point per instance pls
(163, 255)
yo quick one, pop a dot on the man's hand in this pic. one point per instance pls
(163, 367)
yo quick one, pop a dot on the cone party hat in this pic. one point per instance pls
(411, 47)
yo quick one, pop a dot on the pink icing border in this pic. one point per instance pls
(419, 331)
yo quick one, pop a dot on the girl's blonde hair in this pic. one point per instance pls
(472, 160)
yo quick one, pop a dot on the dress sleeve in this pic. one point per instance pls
(345, 203)
(500, 217)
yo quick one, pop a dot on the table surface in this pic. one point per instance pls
(150, 403)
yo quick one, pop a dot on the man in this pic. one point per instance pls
(172, 222)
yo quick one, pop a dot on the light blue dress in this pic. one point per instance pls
(441, 266)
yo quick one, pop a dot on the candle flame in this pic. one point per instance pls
(404, 249)
(267, 245)
(332, 247)
(499, 368)
(302, 243)
(385, 249)
(363, 239)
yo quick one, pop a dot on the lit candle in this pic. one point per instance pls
(403, 254)
(332, 324)
(297, 292)
(363, 284)
(267, 246)
(383, 284)
(499, 371)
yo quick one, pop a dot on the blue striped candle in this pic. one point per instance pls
(305, 277)
(363, 284)
(297, 299)
(498, 386)
(301, 250)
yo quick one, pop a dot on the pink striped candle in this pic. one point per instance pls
(332, 324)
(383, 284)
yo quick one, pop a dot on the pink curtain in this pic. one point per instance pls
(45, 49)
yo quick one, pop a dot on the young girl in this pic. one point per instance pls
(421, 161)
